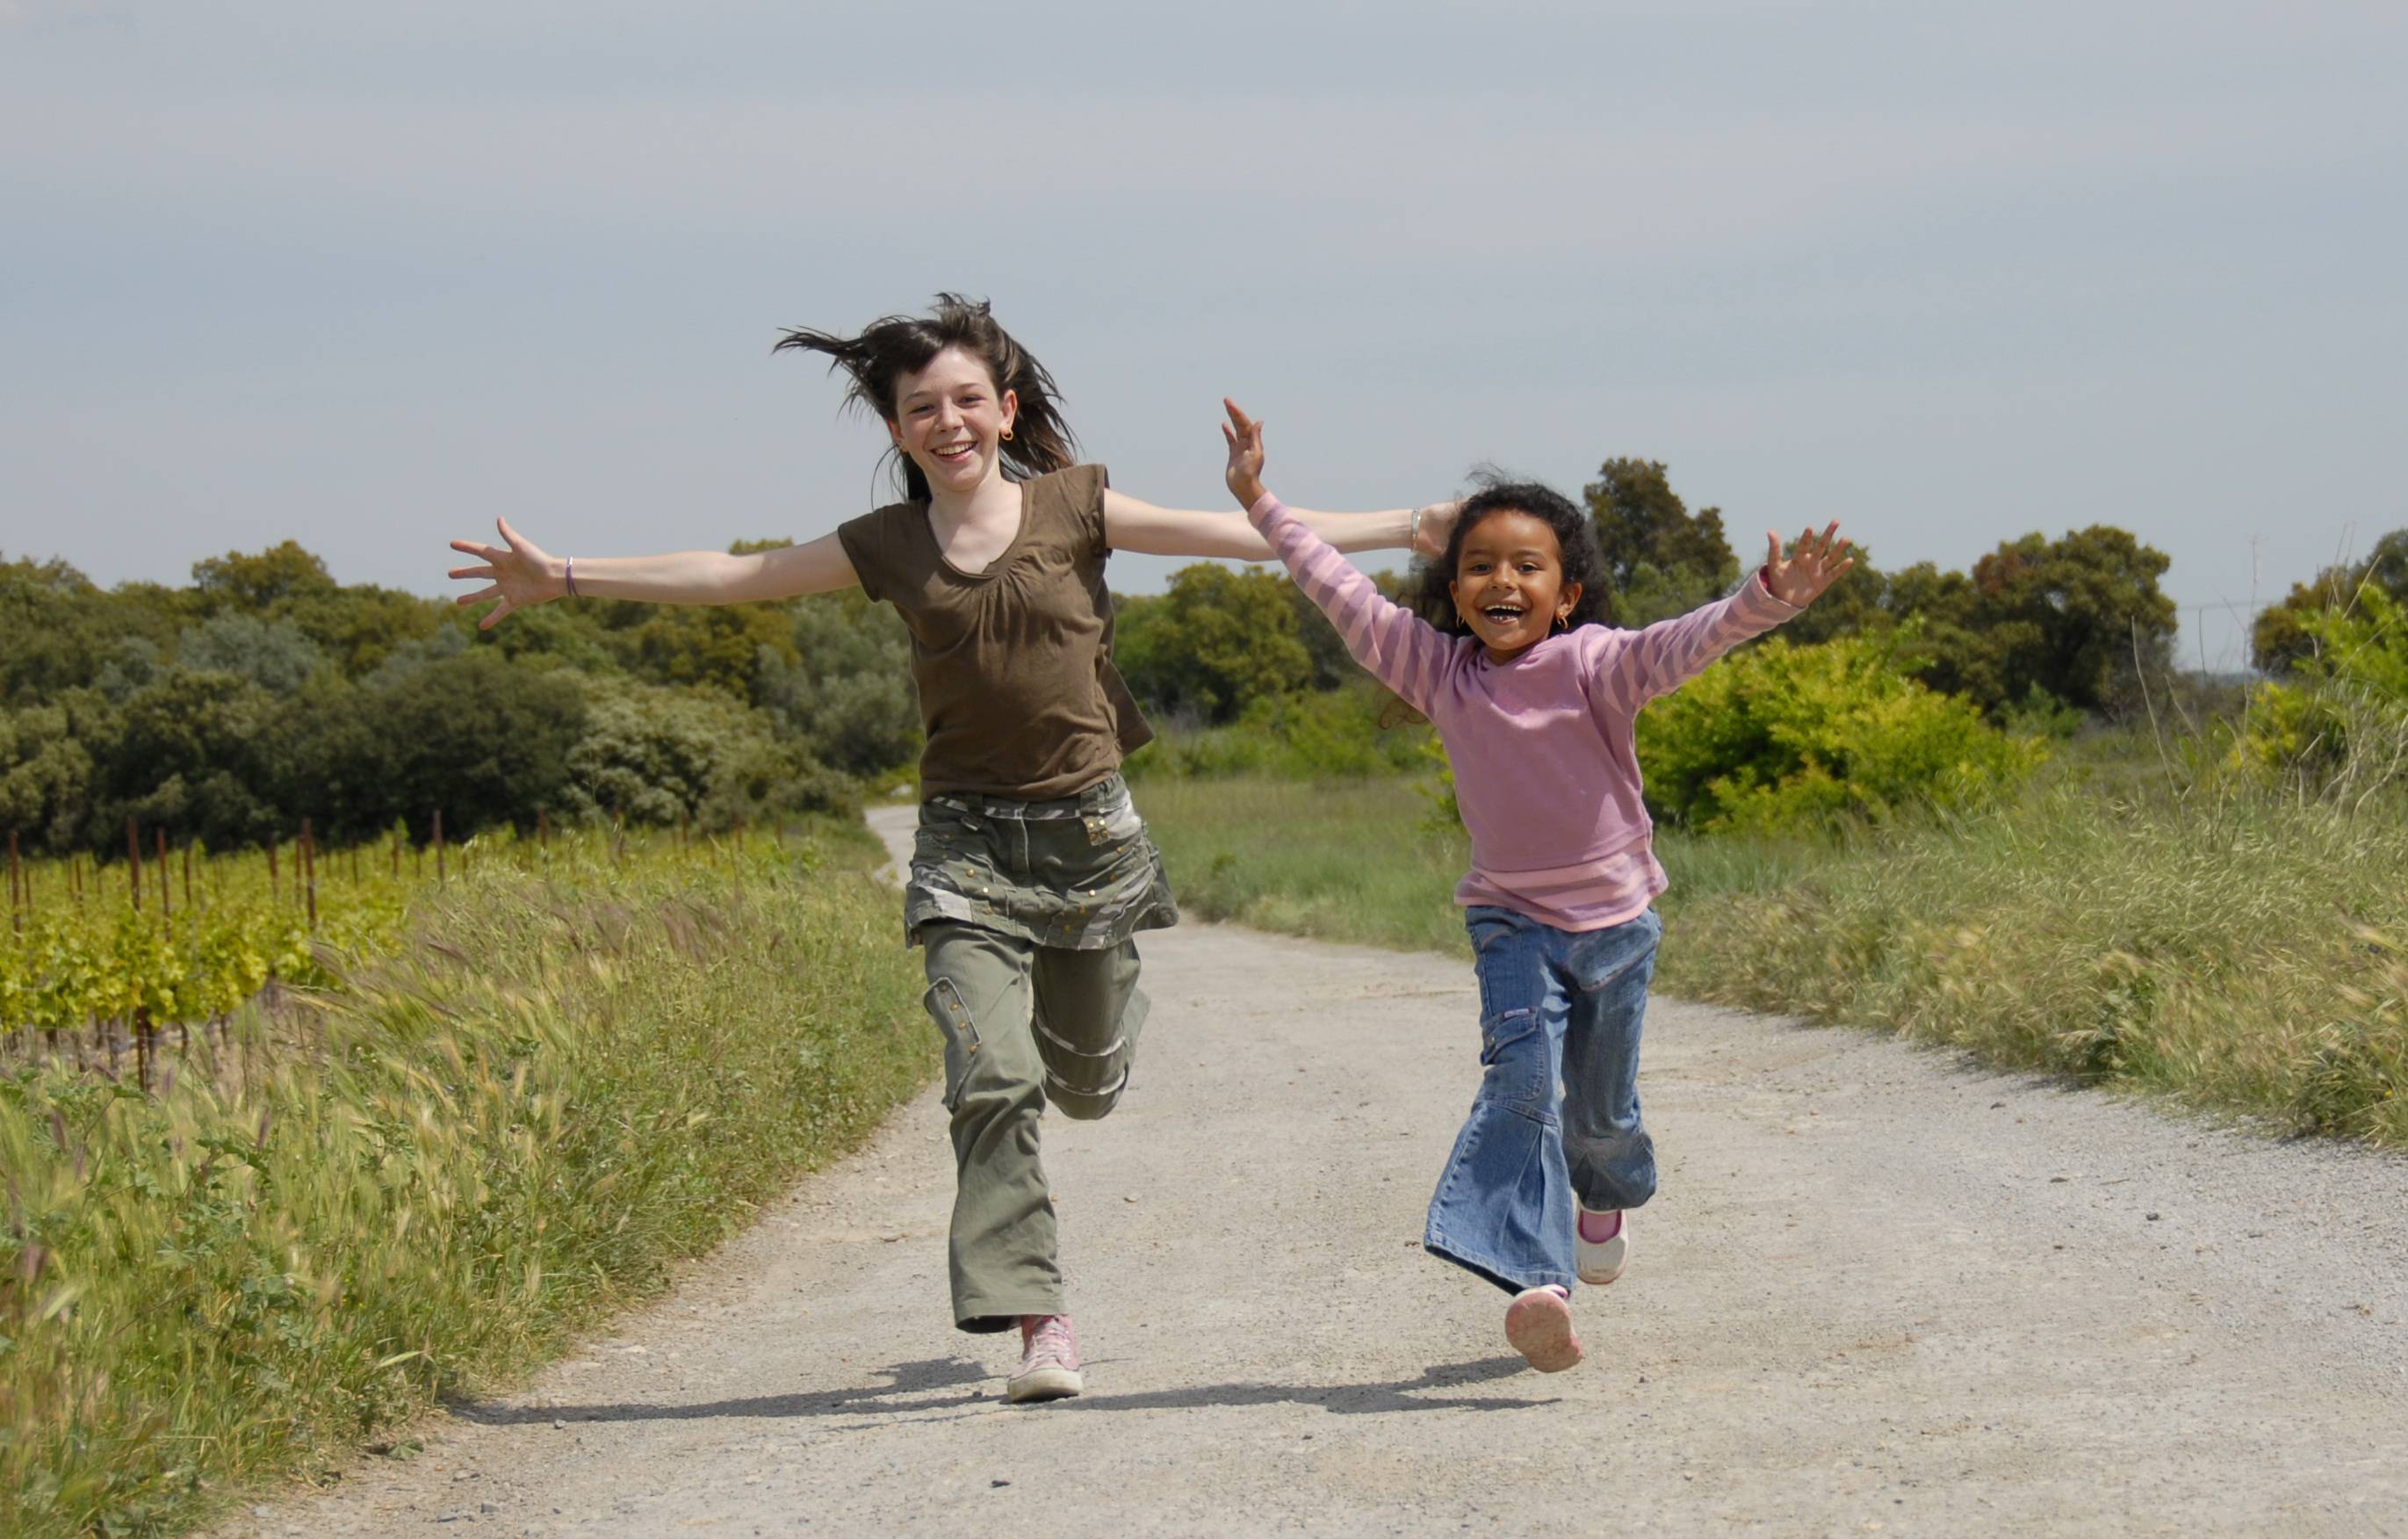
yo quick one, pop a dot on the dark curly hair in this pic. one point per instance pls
(893, 346)
(1575, 537)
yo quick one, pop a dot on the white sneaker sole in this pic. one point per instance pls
(1539, 1324)
(1043, 1384)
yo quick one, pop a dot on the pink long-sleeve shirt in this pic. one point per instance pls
(1545, 771)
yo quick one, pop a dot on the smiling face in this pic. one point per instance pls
(1508, 583)
(949, 417)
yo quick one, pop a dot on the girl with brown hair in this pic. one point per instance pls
(1031, 871)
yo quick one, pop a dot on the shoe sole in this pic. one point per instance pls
(1539, 1324)
(1044, 1383)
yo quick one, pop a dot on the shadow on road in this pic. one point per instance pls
(1346, 1400)
(936, 1383)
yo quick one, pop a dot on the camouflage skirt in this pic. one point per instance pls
(1077, 872)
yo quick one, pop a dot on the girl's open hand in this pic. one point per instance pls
(1815, 566)
(1244, 436)
(520, 574)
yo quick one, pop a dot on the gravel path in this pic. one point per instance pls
(1879, 1289)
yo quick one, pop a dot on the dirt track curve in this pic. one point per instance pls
(1878, 1290)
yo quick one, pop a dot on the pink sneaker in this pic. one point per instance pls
(1539, 1324)
(1049, 1361)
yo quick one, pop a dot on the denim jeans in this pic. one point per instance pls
(1556, 1113)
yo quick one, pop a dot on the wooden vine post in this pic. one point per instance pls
(16, 909)
(309, 872)
(166, 910)
(134, 863)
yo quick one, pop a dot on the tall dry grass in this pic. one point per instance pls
(463, 1154)
(2243, 950)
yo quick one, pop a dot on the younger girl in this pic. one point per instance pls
(1533, 694)
(1031, 872)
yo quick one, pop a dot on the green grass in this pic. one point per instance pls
(2131, 922)
(1338, 860)
(445, 1168)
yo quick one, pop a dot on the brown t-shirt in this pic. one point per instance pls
(1017, 688)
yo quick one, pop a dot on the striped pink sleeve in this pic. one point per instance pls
(1669, 654)
(1401, 650)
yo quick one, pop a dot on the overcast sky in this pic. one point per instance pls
(364, 277)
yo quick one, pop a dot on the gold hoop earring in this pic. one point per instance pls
(1563, 622)
(1007, 435)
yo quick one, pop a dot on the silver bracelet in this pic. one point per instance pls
(570, 576)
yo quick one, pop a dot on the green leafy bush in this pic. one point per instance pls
(2344, 722)
(1780, 737)
(1353, 731)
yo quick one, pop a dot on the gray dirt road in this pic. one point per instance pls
(1880, 1290)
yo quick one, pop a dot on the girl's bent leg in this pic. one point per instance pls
(1611, 1159)
(1503, 1207)
(1001, 1251)
(1089, 1011)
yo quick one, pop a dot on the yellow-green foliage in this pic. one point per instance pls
(69, 962)
(1780, 737)
(2347, 715)
(432, 1171)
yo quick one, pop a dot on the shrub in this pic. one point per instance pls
(2343, 723)
(1780, 737)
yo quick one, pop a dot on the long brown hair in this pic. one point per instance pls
(893, 346)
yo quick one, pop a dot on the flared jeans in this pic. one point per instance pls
(1555, 1118)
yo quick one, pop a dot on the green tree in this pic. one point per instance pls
(1216, 642)
(658, 755)
(258, 584)
(185, 758)
(44, 772)
(843, 688)
(1661, 559)
(2080, 618)
(484, 741)
(276, 657)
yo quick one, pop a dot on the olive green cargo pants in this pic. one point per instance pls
(1028, 910)
(1024, 1024)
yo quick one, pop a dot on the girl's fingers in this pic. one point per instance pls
(481, 552)
(1772, 548)
(1237, 416)
(472, 571)
(493, 619)
(481, 594)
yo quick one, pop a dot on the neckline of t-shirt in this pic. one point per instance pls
(1480, 652)
(1003, 557)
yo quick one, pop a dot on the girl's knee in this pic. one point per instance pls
(1081, 1104)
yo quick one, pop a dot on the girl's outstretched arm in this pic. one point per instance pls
(1400, 649)
(522, 574)
(1665, 656)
